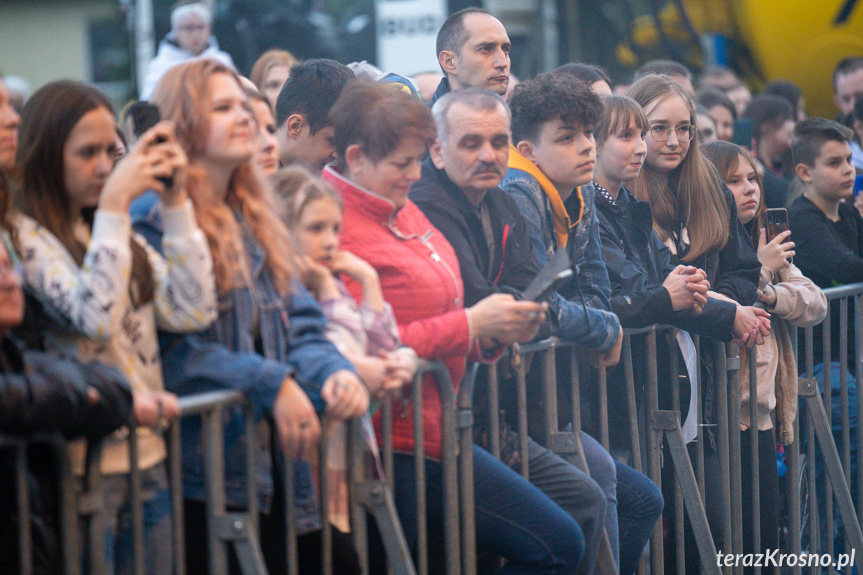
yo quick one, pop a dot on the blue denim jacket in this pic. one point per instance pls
(224, 357)
(582, 311)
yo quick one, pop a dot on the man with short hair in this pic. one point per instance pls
(848, 84)
(302, 128)
(473, 52)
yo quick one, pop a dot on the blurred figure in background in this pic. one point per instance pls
(270, 73)
(189, 39)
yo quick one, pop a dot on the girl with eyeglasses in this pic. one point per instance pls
(695, 216)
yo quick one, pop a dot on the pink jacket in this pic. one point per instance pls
(421, 280)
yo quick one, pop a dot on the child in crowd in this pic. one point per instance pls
(366, 333)
(828, 231)
(695, 216)
(103, 291)
(268, 340)
(792, 300)
(829, 245)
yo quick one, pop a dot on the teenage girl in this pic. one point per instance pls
(103, 291)
(792, 300)
(696, 218)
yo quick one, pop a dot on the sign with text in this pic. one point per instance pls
(407, 30)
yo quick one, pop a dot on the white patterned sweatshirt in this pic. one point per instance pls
(92, 314)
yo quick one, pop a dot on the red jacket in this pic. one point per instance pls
(421, 280)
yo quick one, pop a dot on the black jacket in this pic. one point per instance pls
(638, 262)
(42, 392)
(512, 265)
(734, 270)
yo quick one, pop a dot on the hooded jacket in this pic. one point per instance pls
(170, 54)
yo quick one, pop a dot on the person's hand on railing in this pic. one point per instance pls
(505, 320)
(296, 421)
(345, 395)
(687, 286)
(775, 255)
(154, 409)
(751, 326)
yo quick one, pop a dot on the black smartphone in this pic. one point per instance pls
(742, 132)
(144, 116)
(777, 222)
(554, 275)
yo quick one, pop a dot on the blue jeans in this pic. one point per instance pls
(633, 504)
(158, 543)
(514, 519)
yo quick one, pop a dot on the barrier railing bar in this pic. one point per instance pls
(464, 430)
(792, 456)
(631, 404)
(419, 470)
(654, 449)
(493, 411)
(91, 507)
(293, 559)
(735, 460)
(452, 537)
(724, 388)
(135, 494)
(843, 388)
(214, 463)
(827, 336)
(24, 509)
(324, 486)
(753, 453)
(175, 470)
(700, 438)
(603, 407)
(679, 522)
(521, 399)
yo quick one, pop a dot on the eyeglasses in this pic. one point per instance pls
(661, 132)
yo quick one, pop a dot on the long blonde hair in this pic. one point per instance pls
(182, 96)
(691, 194)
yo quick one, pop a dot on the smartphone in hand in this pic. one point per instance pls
(144, 116)
(777, 222)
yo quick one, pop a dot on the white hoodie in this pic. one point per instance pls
(170, 54)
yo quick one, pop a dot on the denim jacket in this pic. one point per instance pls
(580, 310)
(293, 341)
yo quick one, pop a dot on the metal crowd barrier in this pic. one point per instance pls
(650, 431)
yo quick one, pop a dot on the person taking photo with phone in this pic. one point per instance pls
(793, 300)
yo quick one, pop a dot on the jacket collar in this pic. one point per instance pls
(435, 179)
(362, 200)
(562, 221)
(442, 90)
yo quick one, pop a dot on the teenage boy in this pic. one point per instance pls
(550, 167)
(304, 135)
(551, 160)
(827, 231)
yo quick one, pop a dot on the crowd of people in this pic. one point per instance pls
(305, 236)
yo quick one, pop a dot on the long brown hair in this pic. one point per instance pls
(183, 97)
(726, 157)
(690, 195)
(47, 120)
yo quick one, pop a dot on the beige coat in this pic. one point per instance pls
(799, 303)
